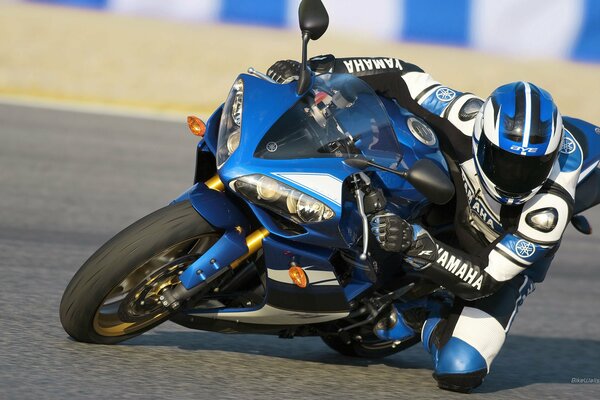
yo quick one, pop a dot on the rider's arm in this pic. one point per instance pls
(449, 112)
(537, 236)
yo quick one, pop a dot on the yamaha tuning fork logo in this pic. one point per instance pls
(568, 146)
(445, 94)
(271, 147)
(524, 248)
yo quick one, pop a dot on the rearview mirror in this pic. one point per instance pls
(431, 181)
(424, 175)
(314, 21)
(313, 18)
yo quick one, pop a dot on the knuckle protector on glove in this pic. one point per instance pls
(392, 232)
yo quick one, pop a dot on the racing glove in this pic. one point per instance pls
(284, 71)
(394, 234)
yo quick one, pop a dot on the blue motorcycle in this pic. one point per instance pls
(273, 237)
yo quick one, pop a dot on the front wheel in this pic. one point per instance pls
(115, 295)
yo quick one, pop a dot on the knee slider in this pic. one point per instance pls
(459, 367)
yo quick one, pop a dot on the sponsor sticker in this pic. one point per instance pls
(524, 149)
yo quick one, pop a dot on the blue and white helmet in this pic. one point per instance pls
(516, 140)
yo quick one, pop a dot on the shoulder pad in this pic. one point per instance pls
(470, 109)
(543, 219)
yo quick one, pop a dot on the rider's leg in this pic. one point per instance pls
(464, 343)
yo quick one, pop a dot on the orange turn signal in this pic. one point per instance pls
(196, 125)
(298, 276)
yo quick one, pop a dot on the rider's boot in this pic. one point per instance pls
(458, 366)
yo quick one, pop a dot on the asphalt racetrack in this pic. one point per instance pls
(71, 180)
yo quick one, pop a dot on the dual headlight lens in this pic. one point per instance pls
(230, 130)
(282, 199)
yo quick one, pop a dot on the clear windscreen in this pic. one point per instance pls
(340, 116)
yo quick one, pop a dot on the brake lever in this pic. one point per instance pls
(360, 195)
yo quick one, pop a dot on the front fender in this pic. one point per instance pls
(215, 207)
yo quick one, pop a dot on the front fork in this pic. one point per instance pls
(225, 255)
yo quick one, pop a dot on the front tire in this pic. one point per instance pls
(114, 295)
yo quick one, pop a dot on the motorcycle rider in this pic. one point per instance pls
(515, 169)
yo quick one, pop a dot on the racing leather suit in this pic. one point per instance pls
(504, 249)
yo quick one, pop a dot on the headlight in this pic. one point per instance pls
(312, 210)
(233, 141)
(282, 199)
(230, 129)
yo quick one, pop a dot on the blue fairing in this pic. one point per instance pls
(215, 207)
(264, 103)
(230, 247)
(212, 130)
(379, 130)
(322, 293)
(412, 150)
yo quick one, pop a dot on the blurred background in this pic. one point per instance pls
(179, 56)
(133, 69)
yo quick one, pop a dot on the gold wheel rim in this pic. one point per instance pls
(108, 322)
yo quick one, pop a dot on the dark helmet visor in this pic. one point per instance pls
(514, 175)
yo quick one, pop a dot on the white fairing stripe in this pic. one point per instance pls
(527, 128)
(482, 331)
(280, 275)
(538, 202)
(417, 82)
(315, 277)
(501, 268)
(325, 185)
(270, 315)
(321, 278)
(328, 282)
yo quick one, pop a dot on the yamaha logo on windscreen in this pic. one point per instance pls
(271, 147)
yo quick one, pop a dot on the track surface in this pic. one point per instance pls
(69, 181)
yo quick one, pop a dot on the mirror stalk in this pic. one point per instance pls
(305, 74)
